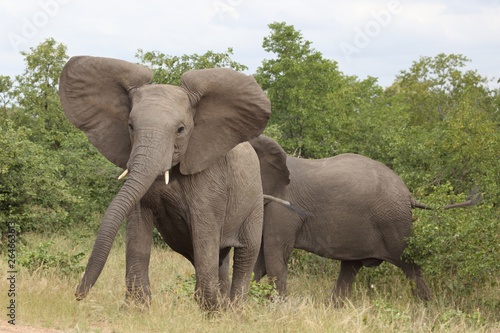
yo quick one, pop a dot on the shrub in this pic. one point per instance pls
(459, 247)
(41, 258)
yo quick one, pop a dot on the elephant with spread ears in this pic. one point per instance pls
(359, 212)
(191, 171)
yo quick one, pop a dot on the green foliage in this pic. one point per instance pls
(168, 69)
(302, 261)
(41, 258)
(262, 292)
(296, 81)
(458, 247)
(315, 106)
(434, 87)
(38, 96)
(448, 131)
(391, 313)
(455, 316)
(183, 286)
(5, 92)
(32, 193)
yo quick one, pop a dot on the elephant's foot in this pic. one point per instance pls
(210, 302)
(421, 291)
(338, 301)
(419, 288)
(138, 297)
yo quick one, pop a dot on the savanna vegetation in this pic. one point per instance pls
(437, 126)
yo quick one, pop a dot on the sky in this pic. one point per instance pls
(367, 38)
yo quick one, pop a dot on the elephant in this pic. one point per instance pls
(191, 172)
(360, 214)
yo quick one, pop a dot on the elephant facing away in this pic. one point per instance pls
(191, 172)
(361, 212)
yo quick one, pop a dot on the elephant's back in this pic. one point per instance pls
(351, 173)
(360, 207)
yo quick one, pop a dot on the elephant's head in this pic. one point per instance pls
(273, 169)
(150, 128)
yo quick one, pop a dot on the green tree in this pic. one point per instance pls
(296, 81)
(168, 69)
(451, 132)
(38, 96)
(434, 87)
(5, 92)
(312, 100)
(32, 192)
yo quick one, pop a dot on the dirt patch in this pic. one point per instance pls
(5, 327)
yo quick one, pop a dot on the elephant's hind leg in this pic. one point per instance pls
(259, 270)
(281, 227)
(224, 280)
(348, 271)
(418, 286)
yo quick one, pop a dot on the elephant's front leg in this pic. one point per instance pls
(246, 255)
(138, 251)
(206, 263)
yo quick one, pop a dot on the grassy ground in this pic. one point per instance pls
(45, 299)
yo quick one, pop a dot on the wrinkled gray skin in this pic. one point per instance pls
(360, 214)
(198, 133)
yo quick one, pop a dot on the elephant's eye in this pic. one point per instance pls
(130, 126)
(180, 129)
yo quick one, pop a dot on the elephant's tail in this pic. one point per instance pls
(474, 198)
(416, 204)
(288, 204)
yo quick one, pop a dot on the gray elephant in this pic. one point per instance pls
(191, 172)
(361, 212)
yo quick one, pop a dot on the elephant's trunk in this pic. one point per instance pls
(137, 184)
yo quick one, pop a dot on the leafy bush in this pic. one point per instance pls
(183, 286)
(261, 292)
(32, 193)
(302, 261)
(460, 247)
(41, 258)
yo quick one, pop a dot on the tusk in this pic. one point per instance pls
(278, 200)
(123, 174)
(166, 177)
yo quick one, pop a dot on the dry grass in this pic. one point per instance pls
(45, 299)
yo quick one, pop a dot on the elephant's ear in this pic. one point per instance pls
(94, 95)
(274, 172)
(230, 108)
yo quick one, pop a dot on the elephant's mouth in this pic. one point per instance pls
(166, 174)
